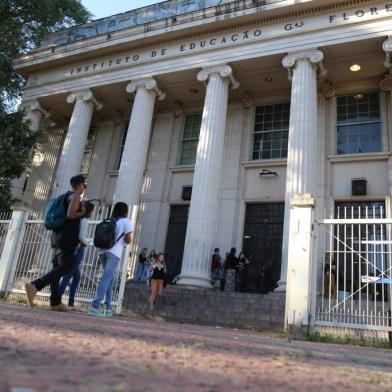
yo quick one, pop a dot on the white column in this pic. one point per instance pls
(204, 208)
(134, 158)
(302, 153)
(386, 83)
(300, 268)
(75, 140)
(12, 245)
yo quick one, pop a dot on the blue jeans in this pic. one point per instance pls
(74, 275)
(109, 262)
(239, 277)
(140, 271)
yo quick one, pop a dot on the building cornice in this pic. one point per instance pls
(121, 41)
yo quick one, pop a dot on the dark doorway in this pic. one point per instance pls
(175, 239)
(262, 244)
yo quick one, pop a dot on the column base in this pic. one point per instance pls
(195, 281)
(282, 286)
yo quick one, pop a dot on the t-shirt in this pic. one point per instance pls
(123, 226)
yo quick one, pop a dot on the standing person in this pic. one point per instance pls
(242, 263)
(84, 242)
(158, 269)
(216, 266)
(150, 260)
(110, 261)
(230, 263)
(64, 242)
(141, 266)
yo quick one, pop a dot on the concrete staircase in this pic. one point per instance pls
(187, 305)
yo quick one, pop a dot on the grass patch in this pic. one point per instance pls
(355, 341)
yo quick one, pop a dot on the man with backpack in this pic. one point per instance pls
(63, 216)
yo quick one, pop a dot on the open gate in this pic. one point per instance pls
(355, 271)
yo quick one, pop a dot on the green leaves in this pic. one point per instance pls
(23, 24)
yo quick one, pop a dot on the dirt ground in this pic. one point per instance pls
(42, 350)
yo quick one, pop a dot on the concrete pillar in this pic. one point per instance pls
(386, 83)
(11, 249)
(75, 140)
(302, 153)
(300, 266)
(134, 158)
(204, 207)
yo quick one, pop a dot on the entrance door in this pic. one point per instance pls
(175, 239)
(262, 244)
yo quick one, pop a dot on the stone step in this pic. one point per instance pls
(240, 310)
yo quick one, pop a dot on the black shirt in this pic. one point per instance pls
(67, 237)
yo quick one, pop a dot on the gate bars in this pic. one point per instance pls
(354, 275)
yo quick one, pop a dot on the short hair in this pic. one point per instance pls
(216, 250)
(76, 180)
(120, 210)
(88, 206)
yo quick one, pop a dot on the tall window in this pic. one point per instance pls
(358, 123)
(121, 147)
(190, 139)
(88, 150)
(271, 131)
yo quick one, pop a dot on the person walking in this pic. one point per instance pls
(141, 266)
(158, 274)
(64, 242)
(110, 261)
(230, 264)
(74, 275)
(240, 267)
(150, 260)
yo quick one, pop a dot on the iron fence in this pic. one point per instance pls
(354, 274)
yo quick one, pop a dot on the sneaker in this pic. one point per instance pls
(108, 313)
(31, 292)
(95, 313)
(60, 308)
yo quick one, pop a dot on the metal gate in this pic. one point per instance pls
(354, 274)
(35, 258)
(5, 219)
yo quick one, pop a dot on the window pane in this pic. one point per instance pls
(88, 150)
(121, 147)
(358, 123)
(271, 131)
(190, 139)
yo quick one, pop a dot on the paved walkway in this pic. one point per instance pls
(47, 351)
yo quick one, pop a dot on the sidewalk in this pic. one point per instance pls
(61, 352)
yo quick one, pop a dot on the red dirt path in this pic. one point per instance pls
(57, 352)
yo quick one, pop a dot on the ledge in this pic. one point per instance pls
(182, 169)
(378, 156)
(112, 173)
(265, 163)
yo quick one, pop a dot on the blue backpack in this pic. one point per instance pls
(55, 213)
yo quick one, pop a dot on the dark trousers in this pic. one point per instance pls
(239, 277)
(63, 263)
(74, 275)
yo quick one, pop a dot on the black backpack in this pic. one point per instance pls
(105, 234)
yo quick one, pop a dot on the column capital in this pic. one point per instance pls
(387, 47)
(85, 96)
(313, 56)
(149, 84)
(34, 106)
(386, 83)
(327, 89)
(223, 70)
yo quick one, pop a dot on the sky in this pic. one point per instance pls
(100, 9)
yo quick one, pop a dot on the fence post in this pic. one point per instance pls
(12, 247)
(299, 271)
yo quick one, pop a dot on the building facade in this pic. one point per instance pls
(210, 117)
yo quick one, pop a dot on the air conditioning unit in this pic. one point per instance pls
(359, 186)
(186, 193)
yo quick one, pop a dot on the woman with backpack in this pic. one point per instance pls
(158, 274)
(110, 238)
